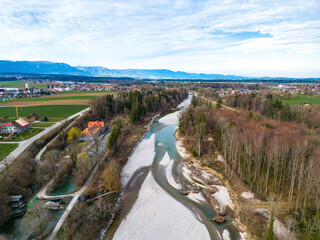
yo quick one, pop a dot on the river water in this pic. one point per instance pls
(152, 205)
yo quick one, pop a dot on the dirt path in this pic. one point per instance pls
(223, 106)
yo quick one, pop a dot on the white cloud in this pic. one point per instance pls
(180, 35)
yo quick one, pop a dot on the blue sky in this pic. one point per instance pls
(250, 38)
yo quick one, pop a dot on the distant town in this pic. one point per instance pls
(54, 87)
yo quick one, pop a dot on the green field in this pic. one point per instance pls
(314, 100)
(6, 149)
(19, 84)
(50, 111)
(42, 124)
(25, 135)
(51, 99)
(52, 120)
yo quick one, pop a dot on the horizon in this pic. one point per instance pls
(242, 38)
(237, 75)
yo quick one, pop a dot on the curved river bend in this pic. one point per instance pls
(152, 205)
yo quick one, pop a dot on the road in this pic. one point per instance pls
(23, 145)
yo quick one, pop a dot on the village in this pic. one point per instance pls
(248, 88)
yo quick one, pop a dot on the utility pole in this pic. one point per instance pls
(17, 112)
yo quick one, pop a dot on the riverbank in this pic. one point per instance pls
(90, 220)
(224, 194)
(252, 215)
(152, 192)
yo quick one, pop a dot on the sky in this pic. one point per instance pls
(249, 38)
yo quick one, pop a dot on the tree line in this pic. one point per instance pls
(270, 105)
(136, 103)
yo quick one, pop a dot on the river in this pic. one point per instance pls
(152, 205)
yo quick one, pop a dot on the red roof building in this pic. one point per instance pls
(93, 129)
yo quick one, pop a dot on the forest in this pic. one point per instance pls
(277, 159)
(270, 106)
(136, 103)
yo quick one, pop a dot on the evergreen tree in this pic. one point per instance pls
(285, 113)
(270, 235)
(219, 103)
(137, 111)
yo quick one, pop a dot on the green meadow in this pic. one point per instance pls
(6, 149)
(50, 111)
(19, 84)
(302, 98)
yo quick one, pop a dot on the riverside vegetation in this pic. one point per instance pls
(126, 114)
(276, 156)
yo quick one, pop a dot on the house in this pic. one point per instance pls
(8, 128)
(21, 124)
(94, 129)
(2, 126)
(14, 127)
(99, 124)
(33, 117)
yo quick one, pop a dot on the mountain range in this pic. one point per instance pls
(45, 67)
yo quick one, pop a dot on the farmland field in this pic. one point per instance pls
(50, 111)
(6, 149)
(314, 100)
(69, 98)
(19, 84)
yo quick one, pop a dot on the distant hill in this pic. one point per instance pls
(153, 73)
(41, 67)
(44, 67)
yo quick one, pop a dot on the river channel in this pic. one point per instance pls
(152, 205)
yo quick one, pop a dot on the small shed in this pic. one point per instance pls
(17, 201)
(307, 104)
(33, 117)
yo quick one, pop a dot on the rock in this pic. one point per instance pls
(222, 213)
(219, 219)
